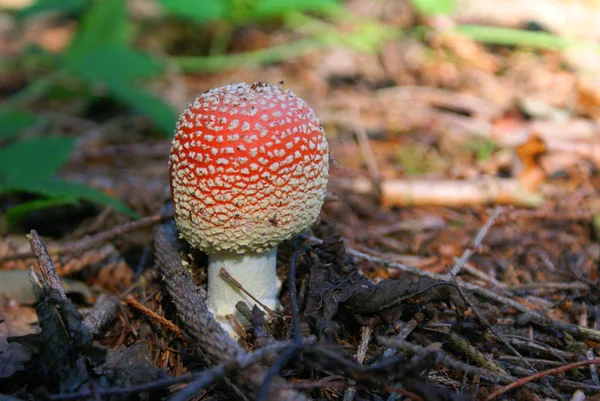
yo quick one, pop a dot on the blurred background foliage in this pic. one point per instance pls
(109, 61)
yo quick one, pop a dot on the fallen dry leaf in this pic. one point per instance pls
(15, 320)
(532, 175)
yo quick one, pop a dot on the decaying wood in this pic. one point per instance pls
(105, 310)
(446, 192)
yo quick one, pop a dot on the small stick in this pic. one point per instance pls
(446, 360)
(593, 368)
(45, 262)
(405, 329)
(361, 353)
(472, 270)
(491, 328)
(153, 315)
(406, 393)
(550, 286)
(445, 192)
(237, 284)
(471, 249)
(105, 311)
(539, 375)
(365, 148)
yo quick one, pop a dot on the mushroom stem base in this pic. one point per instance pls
(255, 272)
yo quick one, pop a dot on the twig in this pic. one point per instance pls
(310, 384)
(472, 270)
(473, 354)
(482, 320)
(411, 395)
(206, 377)
(360, 358)
(593, 368)
(105, 311)
(539, 375)
(445, 192)
(365, 147)
(472, 248)
(446, 360)
(550, 286)
(131, 301)
(45, 263)
(92, 240)
(405, 329)
(297, 345)
(536, 317)
(238, 285)
(257, 57)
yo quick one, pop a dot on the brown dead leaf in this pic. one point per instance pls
(90, 257)
(115, 276)
(588, 97)
(532, 174)
(15, 320)
(11, 245)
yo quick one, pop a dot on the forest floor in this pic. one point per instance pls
(464, 183)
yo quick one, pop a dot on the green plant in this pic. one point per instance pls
(240, 12)
(499, 35)
(31, 166)
(433, 7)
(100, 56)
(226, 15)
(482, 147)
(417, 159)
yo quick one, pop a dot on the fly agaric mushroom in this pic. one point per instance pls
(248, 170)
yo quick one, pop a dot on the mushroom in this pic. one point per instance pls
(248, 170)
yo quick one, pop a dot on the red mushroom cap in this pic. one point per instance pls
(248, 168)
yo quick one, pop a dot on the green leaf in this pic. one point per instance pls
(67, 189)
(198, 11)
(105, 24)
(32, 160)
(160, 112)
(59, 6)
(114, 66)
(433, 7)
(12, 123)
(16, 213)
(369, 38)
(276, 8)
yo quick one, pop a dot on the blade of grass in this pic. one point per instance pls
(257, 57)
(516, 37)
(16, 213)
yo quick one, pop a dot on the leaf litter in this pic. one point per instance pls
(523, 303)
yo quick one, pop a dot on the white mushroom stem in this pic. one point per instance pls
(256, 273)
